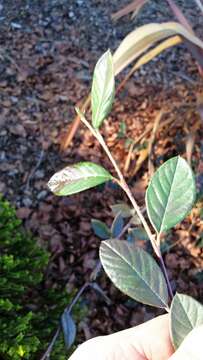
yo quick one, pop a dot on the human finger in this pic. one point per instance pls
(191, 347)
(149, 341)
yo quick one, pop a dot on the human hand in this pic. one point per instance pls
(149, 341)
(191, 347)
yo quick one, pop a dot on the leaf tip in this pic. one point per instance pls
(103, 89)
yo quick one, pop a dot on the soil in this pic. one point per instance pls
(48, 51)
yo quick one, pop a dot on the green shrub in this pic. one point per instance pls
(29, 312)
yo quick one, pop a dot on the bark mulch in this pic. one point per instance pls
(48, 51)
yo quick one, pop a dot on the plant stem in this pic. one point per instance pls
(125, 228)
(50, 347)
(68, 309)
(139, 213)
(76, 298)
(199, 4)
(127, 190)
(163, 267)
(121, 181)
(125, 187)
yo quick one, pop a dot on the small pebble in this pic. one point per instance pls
(27, 202)
(71, 14)
(39, 174)
(42, 194)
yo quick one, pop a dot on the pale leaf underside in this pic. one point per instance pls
(78, 177)
(185, 314)
(132, 270)
(103, 87)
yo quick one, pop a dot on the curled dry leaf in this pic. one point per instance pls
(141, 39)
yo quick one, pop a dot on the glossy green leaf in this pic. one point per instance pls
(101, 229)
(103, 88)
(171, 194)
(185, 314)
(78, 177)
(132, 270)
(117, 225)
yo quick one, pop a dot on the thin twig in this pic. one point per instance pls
(50, 347)
(4, 55)
(163, 267)
(144, 157)
(87, 124)
(76, 298)
(121, 181)
(99, 290)
(183, 76)
(199, 4)
(74, 126)
(126, 227)
(151, 141)
(125, 187)
(139, 213)
(32, 173)
(96, 271)
(68, 309)
(128, 158)
(132, 7)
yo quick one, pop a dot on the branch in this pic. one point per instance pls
(68, 309)
(121, 181)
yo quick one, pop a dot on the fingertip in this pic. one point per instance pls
(89, 350)
(191, 347)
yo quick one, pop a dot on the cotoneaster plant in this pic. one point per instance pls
(169, 198)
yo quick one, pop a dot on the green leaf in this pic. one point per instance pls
(117, 225)
(170, 194)
(185, 314)
(132, 270)
(138, 234)
(78, 177)
(101, 229)
(103, 88)
(122, 130)
(69, 329)
(123, 209)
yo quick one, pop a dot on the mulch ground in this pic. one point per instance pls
(47, 56)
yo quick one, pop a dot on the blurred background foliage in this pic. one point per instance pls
(27, 305)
